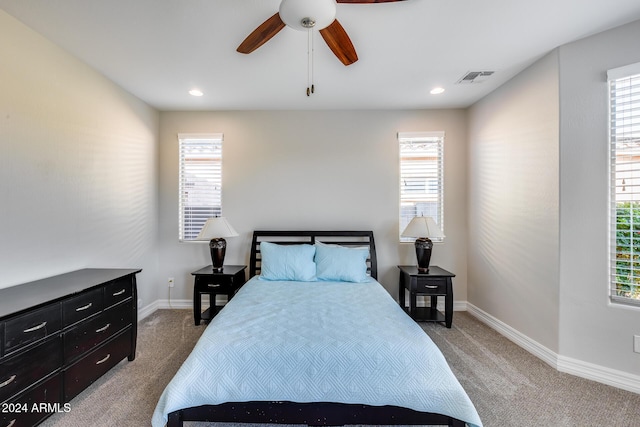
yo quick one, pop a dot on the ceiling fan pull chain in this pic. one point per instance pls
(310, 51)
(309, 60)
(313, 89)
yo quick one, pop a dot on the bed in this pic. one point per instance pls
(321, 344)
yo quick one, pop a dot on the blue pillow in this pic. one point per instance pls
(287, 262)
(341, 264)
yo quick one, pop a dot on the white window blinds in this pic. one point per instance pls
(200, 182)
(624, 107)
(421, 177)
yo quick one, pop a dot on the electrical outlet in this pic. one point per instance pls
(636, 343)
(171, 282)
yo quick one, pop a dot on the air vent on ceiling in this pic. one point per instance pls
(475, 77)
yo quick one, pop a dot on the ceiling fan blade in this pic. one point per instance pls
(367, 1)
(339, 43)
(262, 34)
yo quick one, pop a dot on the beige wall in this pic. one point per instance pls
(538, 211)
(514, 203)
(591, 328)
(313, 170)
(78, 159)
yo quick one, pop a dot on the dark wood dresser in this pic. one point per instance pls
(58, 335)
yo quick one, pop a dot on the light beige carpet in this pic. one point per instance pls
(508, 386)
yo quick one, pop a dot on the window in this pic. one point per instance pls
(200, 183)
(420, 177)
(624, 135)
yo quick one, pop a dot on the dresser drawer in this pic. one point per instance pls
(82, 374)
(117, 291)
(81, 306)
(431, 286)
(31, 327)
(21, 412)
(24, 369)
(88, 335)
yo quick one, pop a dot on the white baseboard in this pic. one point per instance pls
(147, 310)
(177, 304)
(601, 374)
(533, 347)
(164, 304)
(579, 368)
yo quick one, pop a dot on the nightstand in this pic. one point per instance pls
(437, 282)
(207, 281)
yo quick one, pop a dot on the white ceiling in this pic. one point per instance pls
(160, 49)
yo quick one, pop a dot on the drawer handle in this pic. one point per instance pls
(431, 286)
(104, 328)
(7, 382)
(119, 293)
(35, 328)
(213, 286)
(101, 361)
(84, 307)
(12, 423)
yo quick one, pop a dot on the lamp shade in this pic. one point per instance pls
(216, 227)
(323, 12)
(423, 226)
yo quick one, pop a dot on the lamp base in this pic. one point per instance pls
(424, 245)
(218, 248)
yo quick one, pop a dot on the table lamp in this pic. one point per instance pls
(424, 228)
(215, 230)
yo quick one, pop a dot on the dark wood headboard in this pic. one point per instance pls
(344, 238)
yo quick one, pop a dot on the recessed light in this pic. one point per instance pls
(436, 91)
(196, 92)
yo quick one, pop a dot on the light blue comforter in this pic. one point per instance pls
(316, 342)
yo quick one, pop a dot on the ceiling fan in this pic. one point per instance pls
(307, 15)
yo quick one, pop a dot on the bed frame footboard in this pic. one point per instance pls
(312, 414)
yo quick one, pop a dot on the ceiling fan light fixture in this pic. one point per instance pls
(308, 23)
(304, 14)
